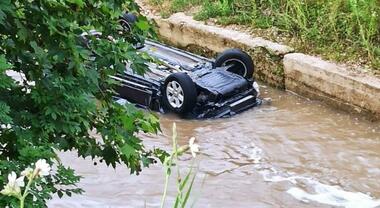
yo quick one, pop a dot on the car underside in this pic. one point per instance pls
(190, 85)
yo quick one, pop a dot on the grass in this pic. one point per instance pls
(341, 30)
(168, 7)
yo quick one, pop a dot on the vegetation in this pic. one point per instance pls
(346, 30)
(168, 7)
(184, 185)
(14, 185)
(64, 100)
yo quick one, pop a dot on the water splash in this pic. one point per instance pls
(324, 194)
(333, 195)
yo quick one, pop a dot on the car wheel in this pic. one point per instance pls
(240, 62)
(180, 93)
(127, 21)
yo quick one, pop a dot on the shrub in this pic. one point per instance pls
(64, 100)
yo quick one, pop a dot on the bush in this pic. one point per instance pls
(64, 100)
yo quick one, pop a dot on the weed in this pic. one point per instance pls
(185, 184)
(339, 29)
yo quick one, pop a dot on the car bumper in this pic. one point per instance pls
(229, 107)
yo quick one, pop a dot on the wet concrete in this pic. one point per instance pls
(293, 153)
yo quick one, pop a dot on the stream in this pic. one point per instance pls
(292, 153)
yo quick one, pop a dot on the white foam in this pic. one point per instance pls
(256, 153)
(335, 196)
(324, 194)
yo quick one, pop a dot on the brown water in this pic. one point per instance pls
(293, 153)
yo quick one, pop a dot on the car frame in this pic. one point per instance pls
(187, 84)
(195, 83)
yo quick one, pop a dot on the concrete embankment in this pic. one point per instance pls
(312, 77)
(279, 66)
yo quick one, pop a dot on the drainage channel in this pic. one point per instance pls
(293, 153)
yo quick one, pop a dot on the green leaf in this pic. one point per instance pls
(60, 194)
(3, 64)
(128, 151)
(80, 3)
(22, 31)
(187, 195)
(184, 182)
(5, 7)
(4, 113)
(143, 25)
(110, 156)
(68, 91)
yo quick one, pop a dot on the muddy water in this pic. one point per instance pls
(293, 153)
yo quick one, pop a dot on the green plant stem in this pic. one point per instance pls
(165, 190)
(168, 164)
(26, 192)
(179, 192)
(175, 157)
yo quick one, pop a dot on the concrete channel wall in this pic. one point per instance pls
(312, 77)
(182, 30)
(279, 66)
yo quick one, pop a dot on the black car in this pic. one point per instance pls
(191, 85)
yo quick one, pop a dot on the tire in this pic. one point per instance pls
(241, 61)
(178, 84)
(127, 21)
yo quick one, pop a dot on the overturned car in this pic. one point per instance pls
(190, 85)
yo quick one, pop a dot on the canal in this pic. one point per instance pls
(292, 153)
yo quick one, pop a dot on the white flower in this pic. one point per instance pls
(42, 168)
(14, 185)
(28, 172)
(14, 181)
(194, 148)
